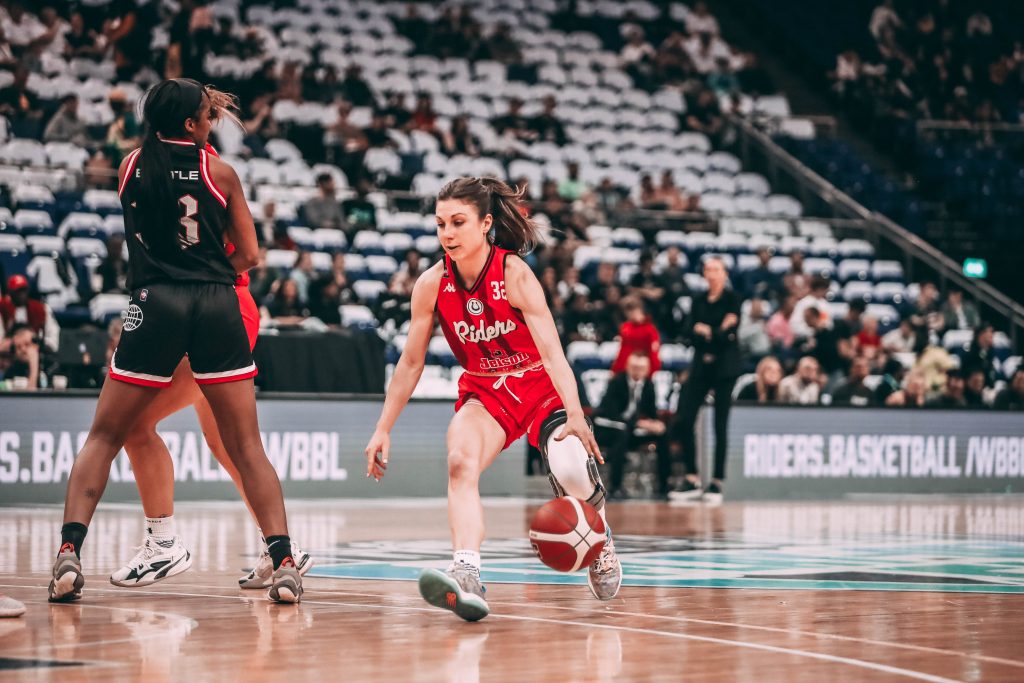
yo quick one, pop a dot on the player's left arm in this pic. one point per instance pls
(241, 230)
(524, 292)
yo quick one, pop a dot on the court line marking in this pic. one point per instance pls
(859, 663)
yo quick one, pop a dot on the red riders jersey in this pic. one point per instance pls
(243, 279)
(487, 334)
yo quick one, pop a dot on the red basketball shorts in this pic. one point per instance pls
(250, 314)
(519, 402)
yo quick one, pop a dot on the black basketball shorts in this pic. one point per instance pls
(167, 320)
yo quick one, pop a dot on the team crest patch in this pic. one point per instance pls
(475, 307)
(132, 318)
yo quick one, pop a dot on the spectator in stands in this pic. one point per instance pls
(339, 276)
(99, 172)
(459, 140)
(21, 28)
(779, 331)
(324, 211)
(355, 89)
(893, 373)
(671, 197)
(706, 52)
(672, 62)
(628, 419)
(952, 395)
(424, 117)
(650, 198)
(753, 333)
(981, 356)
(637, 333)
(648, 286)
(817, 299)
(958, 314)
(795, 280)
(114, 268)
(803, 386)
(261, 278)
(513, 124)
(1012, 397)
(501, 46)
(765, 387)
(853, 392)
(283, 305)
(547, 126)
(360, 213)
(571, 187)
(637, 58)
(912, 395)
(821, 342)
(760, 282)
(711, 330)
(261, 126)
(884, 17)
(933, 362)
(397, 114)
(66, 126)
(24, 370)
(868, 339)
(19, 309)
(704, 116)
(377, 134)
(325, 302)
(130, 31)
(974, 389)
(700, 20)
(303, 274)
(405, 277)
(21, 106)
(123, 134)
(902, 339)
(80, 40)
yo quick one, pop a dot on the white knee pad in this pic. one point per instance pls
(570, 469)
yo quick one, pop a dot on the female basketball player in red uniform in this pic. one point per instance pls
(179, 203)
(163, 554)
(517, 381)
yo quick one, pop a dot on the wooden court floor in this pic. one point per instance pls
(880, 590)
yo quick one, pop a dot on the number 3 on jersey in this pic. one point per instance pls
(498, 290)
(189, 225)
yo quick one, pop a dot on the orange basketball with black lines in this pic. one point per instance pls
(567, 534)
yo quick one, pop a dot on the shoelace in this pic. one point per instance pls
(144, 552)
(605, 562)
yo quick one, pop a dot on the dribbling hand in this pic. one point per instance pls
(377, 454)
(578, 427)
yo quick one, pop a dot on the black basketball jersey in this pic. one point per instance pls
(202, 219)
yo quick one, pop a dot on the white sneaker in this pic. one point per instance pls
(605, 575)
(9, 607)
(261, 574)
(156, 560)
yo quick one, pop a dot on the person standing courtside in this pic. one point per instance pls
(711, 330)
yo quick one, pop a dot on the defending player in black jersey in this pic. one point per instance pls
(179, 204)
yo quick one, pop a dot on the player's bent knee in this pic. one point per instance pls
(462, 465)
(571, 470)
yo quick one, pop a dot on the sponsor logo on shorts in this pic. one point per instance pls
(469, 334)
(132, 318)
(497, 362)
(475, 307)
(143, 295)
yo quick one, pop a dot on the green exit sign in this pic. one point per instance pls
(975, 267)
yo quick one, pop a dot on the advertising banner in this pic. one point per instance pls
(316, 446)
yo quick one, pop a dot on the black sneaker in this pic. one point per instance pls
(686, 492)
(712, 494)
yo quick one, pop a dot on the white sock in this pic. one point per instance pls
(160, 528)
(263, 540)
(468, 557)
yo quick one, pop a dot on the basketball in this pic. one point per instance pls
(567, 534)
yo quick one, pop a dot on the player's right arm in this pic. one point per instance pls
(241, 230)
(407, 371)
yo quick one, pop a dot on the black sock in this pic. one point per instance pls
(280, 548)
(72, 533)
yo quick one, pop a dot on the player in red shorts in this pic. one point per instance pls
(162, 553)
(517, 381)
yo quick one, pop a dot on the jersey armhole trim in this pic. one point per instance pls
(129, 170)
(204, 168)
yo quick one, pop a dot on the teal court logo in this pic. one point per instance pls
(896, 564)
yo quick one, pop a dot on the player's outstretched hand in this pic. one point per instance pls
(578, 427)
(377, 454)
